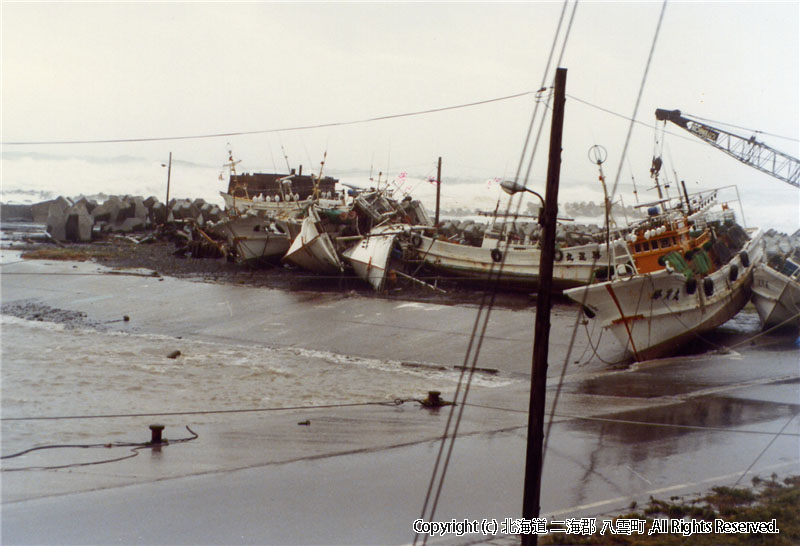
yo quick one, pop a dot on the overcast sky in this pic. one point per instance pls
(87, 71)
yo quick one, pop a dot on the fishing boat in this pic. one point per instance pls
(515, 261)
(370, 257)
(312, 248)
(277, 193)
(688, 268)
(776, 292)
(256, 237)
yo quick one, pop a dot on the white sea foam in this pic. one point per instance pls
(49, 370)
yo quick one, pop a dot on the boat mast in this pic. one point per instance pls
(598, 154)
(535, 454)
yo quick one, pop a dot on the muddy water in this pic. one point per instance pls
(56, 369)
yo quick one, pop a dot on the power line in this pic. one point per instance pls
(369, 120)
(266, 131)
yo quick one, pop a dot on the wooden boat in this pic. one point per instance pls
(278, 193)
(371, 256)
(256, 237)
(686, 274)
(574, 265)
(312, 248)
(776, 292)
(273, 205)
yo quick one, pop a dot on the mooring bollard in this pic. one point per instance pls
(434, 400)
(156, 434)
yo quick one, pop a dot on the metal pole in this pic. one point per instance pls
(169, 172)
(535, 455)
(438, 190)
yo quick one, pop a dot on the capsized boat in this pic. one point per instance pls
(776, 292)
(312, 248)
(370, 257)
(687, 273)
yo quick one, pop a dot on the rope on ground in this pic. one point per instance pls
(135, 451)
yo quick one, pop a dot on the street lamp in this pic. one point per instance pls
(512, 187)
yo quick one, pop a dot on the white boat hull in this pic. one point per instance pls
(313, 249)
(776, 297)
(651, 314)
(370, 257)
(254, 239)
(520, 263)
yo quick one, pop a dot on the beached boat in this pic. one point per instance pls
(370, 257)
(687, 273)
(312, 248)
(776, 292)
(516, 262)
(256, 237)
(275, 193)
(274, 205)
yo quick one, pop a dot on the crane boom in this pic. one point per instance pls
(747, 150)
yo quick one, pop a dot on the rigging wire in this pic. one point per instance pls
(639, 97)
(613, 191)
(481, 316)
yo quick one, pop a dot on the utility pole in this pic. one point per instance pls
(169, 172)
(438, 190)
(535, 454)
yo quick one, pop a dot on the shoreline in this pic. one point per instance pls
(159, 257)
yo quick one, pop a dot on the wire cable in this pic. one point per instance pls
(639, 97)
(480, 316)
(395, 402)
(267, 131)
(777, 435)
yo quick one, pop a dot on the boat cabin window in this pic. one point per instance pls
(665, 243)
(646, 246)
(638, 247)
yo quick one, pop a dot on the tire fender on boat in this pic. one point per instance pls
(416, 240)
(558, 256)
(497, 256)
(691, 286)
(708, 287)
(744, 258)
(734, 273)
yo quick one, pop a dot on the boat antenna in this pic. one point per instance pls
(598, 155)
(319, 177)
(272, 156)
(286, 157)
(633, 181)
